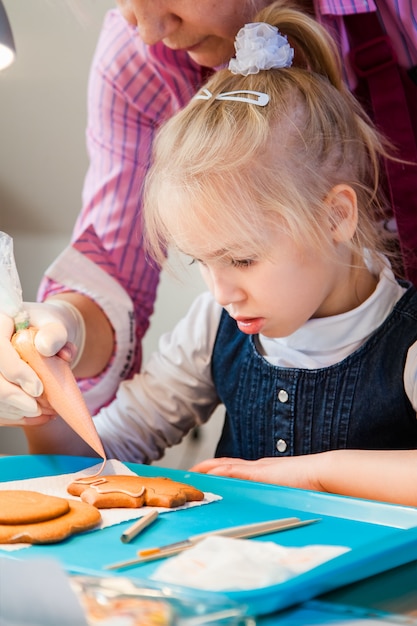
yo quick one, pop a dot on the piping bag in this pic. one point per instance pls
(60, 387)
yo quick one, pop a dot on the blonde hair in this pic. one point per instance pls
(237, 169)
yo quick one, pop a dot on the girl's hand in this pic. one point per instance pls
(386, 475)
(296, 471)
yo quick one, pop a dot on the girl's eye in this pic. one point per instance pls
(233, 262)
(242, 262)
(193, 261)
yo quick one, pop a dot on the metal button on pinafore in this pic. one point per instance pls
(282, 395)
(281, 445)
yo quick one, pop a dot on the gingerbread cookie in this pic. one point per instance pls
(133, 491)
(25, 507)
(108, 492)
(80, 517)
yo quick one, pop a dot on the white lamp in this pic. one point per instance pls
(7, 47)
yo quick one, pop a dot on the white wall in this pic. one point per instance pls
(43, 162)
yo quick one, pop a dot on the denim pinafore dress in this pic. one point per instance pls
(359, 402)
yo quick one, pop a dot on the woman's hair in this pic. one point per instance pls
(234, 170)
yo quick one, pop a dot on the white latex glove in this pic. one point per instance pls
(58, 323)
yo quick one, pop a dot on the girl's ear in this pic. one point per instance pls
(343, 212)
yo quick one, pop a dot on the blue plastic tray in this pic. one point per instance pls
(381, 536)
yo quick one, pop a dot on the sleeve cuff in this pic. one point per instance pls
(77, 273)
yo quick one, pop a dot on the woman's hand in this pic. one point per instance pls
(21, 389)
(19, 385)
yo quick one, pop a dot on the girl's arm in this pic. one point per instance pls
(385, 475)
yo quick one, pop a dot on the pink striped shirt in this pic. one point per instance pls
(133, 88)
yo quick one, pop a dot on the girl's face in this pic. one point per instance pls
(205, 29)
(276, 295)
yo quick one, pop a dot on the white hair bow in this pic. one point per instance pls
(260, 46)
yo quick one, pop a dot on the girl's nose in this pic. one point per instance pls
(224, 288)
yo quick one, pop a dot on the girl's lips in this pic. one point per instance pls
(250, 325)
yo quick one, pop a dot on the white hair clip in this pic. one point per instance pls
(243, 95)
(260, 46)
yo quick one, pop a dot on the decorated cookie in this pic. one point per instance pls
(108, 492)
(80, 517)
(25, 507)
(133, 491)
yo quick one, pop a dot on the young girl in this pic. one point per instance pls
(268, 180)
